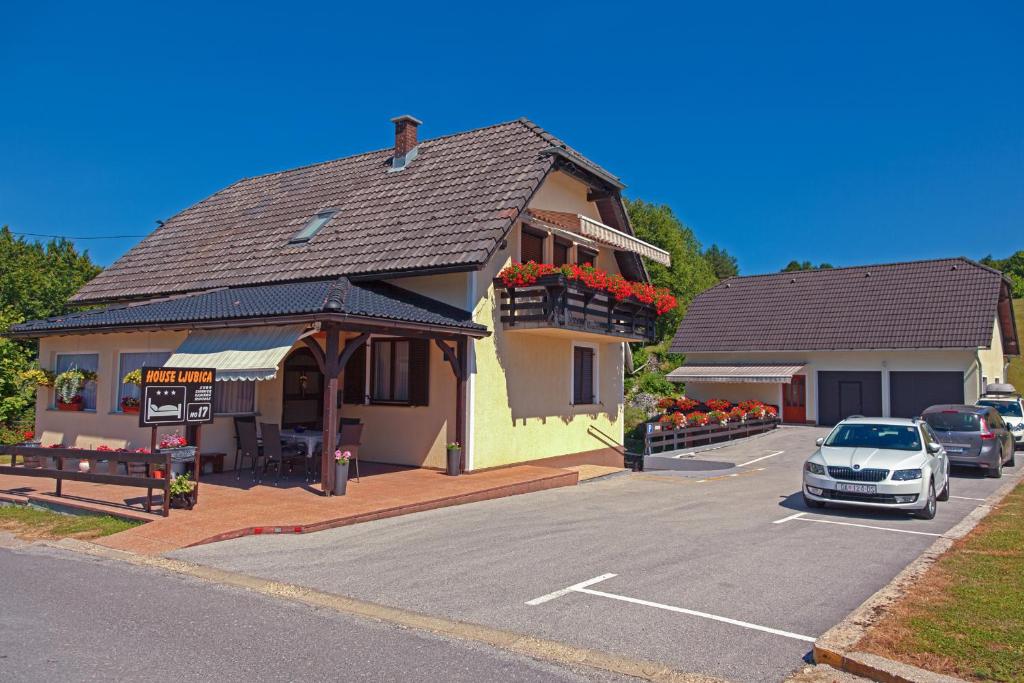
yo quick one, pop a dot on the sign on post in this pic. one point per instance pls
(176, 396)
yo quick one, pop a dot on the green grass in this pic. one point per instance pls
(966, 615)
(1015, 373)
(35, 523)
(5, 460)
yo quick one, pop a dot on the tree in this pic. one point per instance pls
(690, 273)
(805, 265)
(36, 281)
(1012, 267)
(723, 264)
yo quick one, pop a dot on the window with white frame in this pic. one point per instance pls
(89, 362)
(584, 375)
(129, 362)
(236, 397)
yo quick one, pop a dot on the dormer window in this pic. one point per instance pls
(312, 227)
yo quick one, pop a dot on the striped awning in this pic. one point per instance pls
(774, 373)
(245, 353)
(599, 232)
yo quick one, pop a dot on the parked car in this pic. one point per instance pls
(974, 436)
(1005, 399)
(885, 463)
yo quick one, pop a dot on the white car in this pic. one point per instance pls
(1011, 408)
(883, 463)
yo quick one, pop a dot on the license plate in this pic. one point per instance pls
(950, 449)
(857, 488)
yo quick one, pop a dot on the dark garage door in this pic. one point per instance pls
(841, 394)
(912, 392)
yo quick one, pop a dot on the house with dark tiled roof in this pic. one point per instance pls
(367, 288)
(883, 340)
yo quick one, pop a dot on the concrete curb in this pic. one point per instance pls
(837, 646)
(536, 648)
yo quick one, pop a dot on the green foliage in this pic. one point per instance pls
(181, 485)
(805, 265)
(1012, 267)
(68, 384)
(723, 264)
(35, 523)
(36, 280)
(133, 377)
(690, 273)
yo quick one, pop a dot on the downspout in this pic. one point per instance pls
(981, 385)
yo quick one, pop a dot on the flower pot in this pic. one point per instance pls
(77, 406)
(158, 474)
(182, 501)
(130, 410)
(83, 465)
(454, 462)
(340, 478)
(178, 469)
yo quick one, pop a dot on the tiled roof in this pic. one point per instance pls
(449, 208)
(946, 303)
(560, 219)
(374, 300)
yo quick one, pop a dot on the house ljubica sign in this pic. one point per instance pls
(176, 396)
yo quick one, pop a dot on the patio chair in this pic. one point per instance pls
(349, 438)
(276, 453)
(248, 444)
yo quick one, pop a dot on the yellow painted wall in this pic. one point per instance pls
(992, 359)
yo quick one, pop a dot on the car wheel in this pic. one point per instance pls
(944, 493)
(997, 471)
(811, 503)
(928, 511)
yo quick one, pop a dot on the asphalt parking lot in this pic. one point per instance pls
(718, 571)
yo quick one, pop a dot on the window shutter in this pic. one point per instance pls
(355, 377)
(419, 372)
(531, 247)
(583, 375)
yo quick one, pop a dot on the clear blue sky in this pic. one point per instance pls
(841, 132)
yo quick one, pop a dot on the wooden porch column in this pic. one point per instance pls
(460, 398)
(331, 372)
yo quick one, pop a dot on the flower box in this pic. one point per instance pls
(74, 406)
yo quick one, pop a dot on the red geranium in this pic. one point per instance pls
(666, 404)
(718, 404)
(686, 404)
(697, 418)
(104, 447)
(28, 435)
(737, 414)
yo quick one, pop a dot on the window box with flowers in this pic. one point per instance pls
(687, 423)
(585, 298)
(68, 387)
(130, 404)
(181, 452)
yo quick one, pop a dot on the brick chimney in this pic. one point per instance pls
(405, 138)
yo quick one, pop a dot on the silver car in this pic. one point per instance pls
(974, 436)
(882, 463)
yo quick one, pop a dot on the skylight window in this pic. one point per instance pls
(312, 227)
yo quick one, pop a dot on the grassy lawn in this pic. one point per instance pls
(28, 522)
(5, 460)
(966, 616)
(1015, 373)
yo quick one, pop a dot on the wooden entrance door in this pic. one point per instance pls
(794, 400)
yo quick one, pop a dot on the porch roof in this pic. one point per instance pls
(744, 373)
(321, 299)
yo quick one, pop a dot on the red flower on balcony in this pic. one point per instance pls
(718, 404)
(697, 419)
(686, 404)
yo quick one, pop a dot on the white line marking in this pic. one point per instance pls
(966, 498)
(559, 593)
(704, 615)
(763, 457)
(865, 526)
(786, 519)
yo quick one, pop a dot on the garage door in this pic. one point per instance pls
(843, 393)
(912, 392)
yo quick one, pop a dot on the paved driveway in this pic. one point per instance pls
(695, 569)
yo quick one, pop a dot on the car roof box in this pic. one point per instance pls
(1000, 389)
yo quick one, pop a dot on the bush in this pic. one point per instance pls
(651, 382)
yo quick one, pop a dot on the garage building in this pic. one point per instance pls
(885, 340)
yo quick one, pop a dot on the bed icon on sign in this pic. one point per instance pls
(165, 404)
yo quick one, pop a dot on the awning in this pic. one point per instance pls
(606, 234)
(774, 373)
(245, 353)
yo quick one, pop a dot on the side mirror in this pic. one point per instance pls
(934, 448)
(820, 440)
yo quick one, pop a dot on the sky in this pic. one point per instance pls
(849, 133)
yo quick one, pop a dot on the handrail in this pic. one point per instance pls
(662, 438)
(148, 481)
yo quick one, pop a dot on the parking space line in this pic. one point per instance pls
(582, 587)
(579, 586)
(763, 457)
(966, 498)
(786, 519)
(863, 526)
(695, 613)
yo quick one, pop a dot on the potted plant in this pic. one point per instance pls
(454, 459)
(182, 488)
(130, 404)
(341, 461)
(181, 452)
(68, 386)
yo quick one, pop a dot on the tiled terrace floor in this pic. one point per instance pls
(229, 508)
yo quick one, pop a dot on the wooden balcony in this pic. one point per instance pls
(555, 305)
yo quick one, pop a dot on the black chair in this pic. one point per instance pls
(277, 454)
(248, 444)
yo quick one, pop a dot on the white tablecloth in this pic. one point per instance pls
(310, 438)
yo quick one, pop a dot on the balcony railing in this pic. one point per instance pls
(555, 302)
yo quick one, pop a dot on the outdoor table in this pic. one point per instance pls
(310, 438)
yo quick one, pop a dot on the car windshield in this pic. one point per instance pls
(894, 437)
(1005, 408)
(953, 421)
